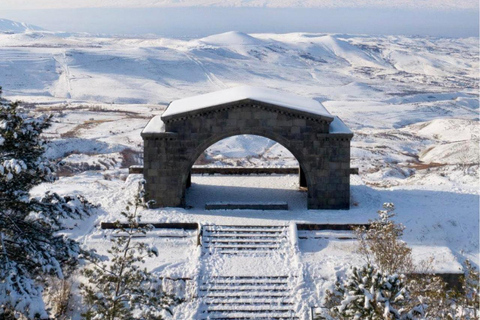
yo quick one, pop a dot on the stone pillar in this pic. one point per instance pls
(189, 180)
(327, 164)
(165, 170)
(302, 179)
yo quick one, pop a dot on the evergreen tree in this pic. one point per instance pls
(31, 245)
(372, 295)
(119, 289)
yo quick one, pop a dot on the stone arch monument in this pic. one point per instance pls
(319, 141)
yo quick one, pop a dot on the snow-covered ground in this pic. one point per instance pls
(412, 103)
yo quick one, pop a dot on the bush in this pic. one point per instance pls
(380, 244)
(58, 298)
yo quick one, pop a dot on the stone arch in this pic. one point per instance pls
(284, 142)
(319, 142)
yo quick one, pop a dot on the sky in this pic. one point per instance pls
(196, 18)
(75, 4)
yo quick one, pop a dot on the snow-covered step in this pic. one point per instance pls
(253, 231)
(225, 288)
(223, 317)
(251, 277)
(245, 294)
(244, 240)
(214, 226)
(243, 229)
(246, 244)
(247, 301)
(243, 316)
(268, 304)
(242, 235)
(242, 251)
(242, 243)
(243, 246)
(240, 281)
(250, 308)
(246, 282)
(249, 314)
(253, 286)
(252, 253)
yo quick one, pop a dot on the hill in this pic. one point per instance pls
(9, 26)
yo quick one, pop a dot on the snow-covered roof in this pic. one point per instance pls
(337, 126)
(155, 125)
(278, 98)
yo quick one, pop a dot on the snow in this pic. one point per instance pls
(231, 38)
(245, 189)
(155, 125)
(412, 103)
(439, 224)
(11, 167)
(448, 130)
(286, 100)
(350, 53)
(413, 206)
(246, 266)
(241, 146)
(9, 26)
(338, 126)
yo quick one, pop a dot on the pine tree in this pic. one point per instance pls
(120, 289)
(370, 294)
(31, 245)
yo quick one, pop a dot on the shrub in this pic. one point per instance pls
(59, 297)
(380, 244)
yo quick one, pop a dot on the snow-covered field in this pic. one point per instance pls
(412, 103)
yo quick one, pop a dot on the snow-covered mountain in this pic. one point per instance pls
(9, 26)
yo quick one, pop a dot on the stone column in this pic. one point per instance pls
(164, 170)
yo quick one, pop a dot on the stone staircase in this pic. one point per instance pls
(242, 239)
(246, 296)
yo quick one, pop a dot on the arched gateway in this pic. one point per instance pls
(319, 141)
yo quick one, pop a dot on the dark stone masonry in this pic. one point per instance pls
(174, 141)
